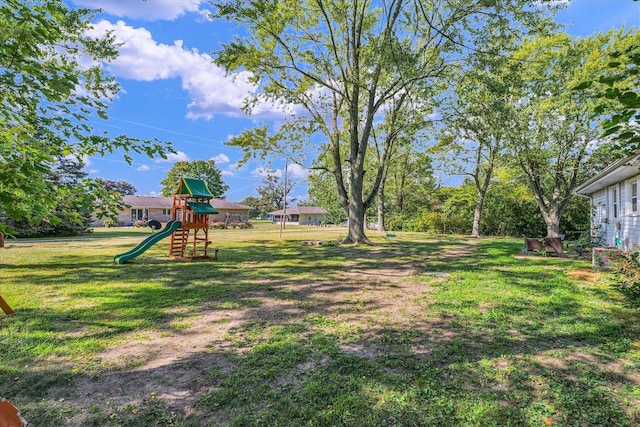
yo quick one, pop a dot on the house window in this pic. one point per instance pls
(634, 197)
(614, 202)
(137, 215)
(166, 211)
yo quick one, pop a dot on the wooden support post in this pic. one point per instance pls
(5, 307)
(1, 240)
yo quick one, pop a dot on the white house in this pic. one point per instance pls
(302, 215)
(615, 211)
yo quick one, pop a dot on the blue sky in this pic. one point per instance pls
(171, 90)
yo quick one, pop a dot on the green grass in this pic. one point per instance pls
(276, 333)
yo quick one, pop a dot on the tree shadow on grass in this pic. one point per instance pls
(303, 344)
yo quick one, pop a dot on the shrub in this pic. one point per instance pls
(217, 225)
(626, 277)
(109, 223)
(243, 225)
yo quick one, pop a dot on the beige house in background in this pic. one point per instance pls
(159, 208)
(301, 215)
(237, 212)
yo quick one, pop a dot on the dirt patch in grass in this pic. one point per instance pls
(173, 361)
(377, 307)
(588, 275)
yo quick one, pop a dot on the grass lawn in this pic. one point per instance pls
(415, 330)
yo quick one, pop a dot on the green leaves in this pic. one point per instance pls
(47, 99)
(205, 170)
(617, 91)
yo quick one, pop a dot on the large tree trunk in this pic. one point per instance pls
(477, 214)
(381, 227)
(356, 210)
(552, 219)
(356, 224)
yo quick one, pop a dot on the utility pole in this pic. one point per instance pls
(284, 198)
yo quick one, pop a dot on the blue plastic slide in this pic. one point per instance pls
(148, 242)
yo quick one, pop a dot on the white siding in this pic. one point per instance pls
(599, 214)
(627, 225)
(621, 175)
(630, 225)
(610, 223)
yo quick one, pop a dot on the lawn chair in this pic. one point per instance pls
(553, 245)
(532, 245)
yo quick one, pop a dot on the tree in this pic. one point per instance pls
(272, 192)
(349, 65)
(123, 187)
(475, 111)
(323, 193)
(553, 128)
(205, 170)
(254, 203)
(51, 86)
(510, 208)
(409, 186)
(618, 92)
(73, 210)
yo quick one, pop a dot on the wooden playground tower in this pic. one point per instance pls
(192, 208)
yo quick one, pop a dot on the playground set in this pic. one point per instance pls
(188, 228)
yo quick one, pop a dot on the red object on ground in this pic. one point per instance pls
(9, 415)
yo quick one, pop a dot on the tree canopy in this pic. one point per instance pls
(123, 187)
(553, 129)
(344, 68)
(48, 96)
(273, 192)
(205, 170)
(617, 89)
(73, 210)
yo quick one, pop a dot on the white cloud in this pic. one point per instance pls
(227, 173)
(143, 168)
(210, 90)
(297, 171)
(150, 10)
(221, 159)
(174, 157)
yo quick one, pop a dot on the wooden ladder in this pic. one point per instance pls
(179, 242)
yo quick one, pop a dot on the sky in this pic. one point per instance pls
(172, 91)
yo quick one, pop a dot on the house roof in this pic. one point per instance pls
(301, 210)
(223, 204)
(148, 202)
(167, 203)
(618, 171)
